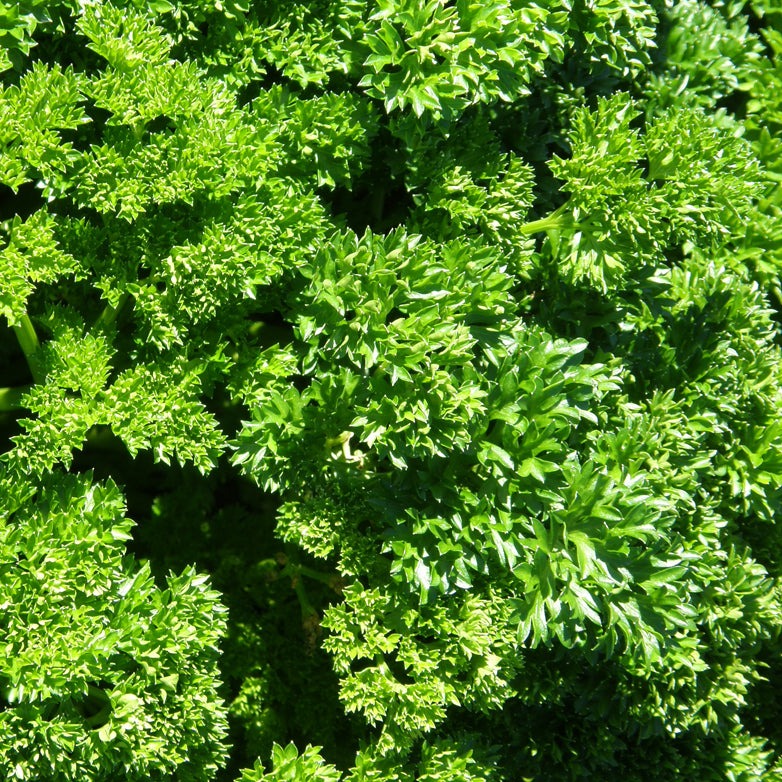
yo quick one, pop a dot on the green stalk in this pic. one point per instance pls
(109, 314)
(11, 398)
(98, 707)
(28, 341)
(557, 219)
(331, 580)
(307, 609)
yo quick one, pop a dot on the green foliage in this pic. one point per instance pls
(18, 23)
(288, 765)
(635, 196)
(101, 666)
(710, 53)
(444, 337)
(44, 102)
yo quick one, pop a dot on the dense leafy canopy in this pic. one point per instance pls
(444, 337)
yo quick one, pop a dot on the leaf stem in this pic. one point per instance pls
(11, 398)
(331, 580)
(307, 609)
(109, 314)
(28, 341)
(557, 219)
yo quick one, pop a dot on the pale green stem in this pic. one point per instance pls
(329, 579)
(557, 219)
(98, 699)
(109, 314)
(294, 572)
(307, 609)
(28, 341)
(11, 398)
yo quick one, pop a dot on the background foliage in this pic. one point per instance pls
(391, 390)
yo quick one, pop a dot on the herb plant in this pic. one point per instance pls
(390, 390)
